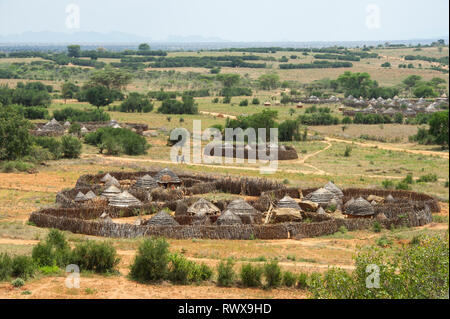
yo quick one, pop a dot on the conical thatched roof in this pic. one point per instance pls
(112, 182)
(245, 211)
(288, 202)
(360, 207)
(321, 196)
(67, 123)
(228, 218)
(106, 178)
(330, 186)
(351, 201)
(321, 211)
(146, 182)
(124, 200)
(162, 219)
(80, 197)
(111, 192)
(90, 195)
(202, 207)
(53, 125)
(167, 176)
(390, 199)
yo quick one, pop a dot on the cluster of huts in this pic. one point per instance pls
(390, 107)
(55, 128)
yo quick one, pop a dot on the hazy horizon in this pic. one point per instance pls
(232, 21)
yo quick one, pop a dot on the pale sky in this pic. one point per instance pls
(237, 20)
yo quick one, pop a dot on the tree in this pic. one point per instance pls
(71, 146)
(356, 84)
(73, 51)
(269, 81)
(144, 47)
(69, 90)
(228, 80)
(99, 96)
(439, 127)
(111, 78)
(398, 118)
(412, 80)
(424, 90)
(136, 102)
(15, 140)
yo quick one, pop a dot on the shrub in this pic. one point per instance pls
(151, 261)
(117, 140)
(343, 229)
(429, 178)
(76, 115)
(5, 266)
(289, 279)
(53, 251)
(22, 266)
(49, 270)
(75, 129)
(302, 280)
(409, 179)
(402, 186)
(387, 184)
(99, 257)
(251, 275)
(243, 103)
(376, 227)
(383, 241)
(184, 271)
(272, 273)
(51, 144)
(348, 151)
(226, 274)
(71, 146)
(256, 101)
(18, 282)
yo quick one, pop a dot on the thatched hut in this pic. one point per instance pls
(288, 202)
(53, 125)
(390, 199)
(106, 178)
(360, 208)
(202, 207)
(162, 219)
(111, 192)
(112, 182)
(90, 195)
(244, 211)
(167, 178)
(285, 215)
(146, 182)
(330, 186)
(321, 211)
(80, 197)
(321, 196)
(124, 200)
(228, 218)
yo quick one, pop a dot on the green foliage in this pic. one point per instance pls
(343, 229)
(251, 275)
(289, 279)
(117, 141)
(302, 281)
(18, 282)
(151, 261)
(75, 115)
(12, 166)
(15, 139)
(243, 103)
(71, 146)
(187, 106)
(348, 151)
(136, 102)
(439, 127)
(99, 96)
(22, 266)
(272, 273)
(384, 241)
(51, 144)
(402, 185)
(184, 271)
(75, 129)
(424, 90)
(256, 101)
(418, 271)
(269, 81)
(225, 273)
(428, 178)
(288, 131)
(5, 266)
(100, 257)
(320, 118)
(376, 227)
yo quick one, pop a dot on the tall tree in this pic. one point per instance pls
(74, 51)
(99, 96)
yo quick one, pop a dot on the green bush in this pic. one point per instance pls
(289, 279)
(348, 151)
(418, 271)
(117, 140)
(18, 282)
(51, 144)
(49, 270)
(225, 273)
(9, 167)
(151, 261)
(71, 146)
(272, 273)
(76, 115)
(5, 266)
(256, 101)
(384, 241)
(428, 178)
(243, 103)
(402, 186)
(251, 275)
(22, 266)
(53, 251)
(302, 281)
(387, 184)
(376, 227)
(185, 271)
(99, 257)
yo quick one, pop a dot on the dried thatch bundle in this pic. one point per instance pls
(330, 186)
(245, 211)
(360, 208)
(228, 218)
(381, 217)
(284, 215)
(321, 196)
(106, 178)
(146, 182)
(203, 208)
(124, 200)
(288, 202)
(308, 206)
(167, 176)
(112, 182)
(80, 197)
(111, 192)
(162, 219)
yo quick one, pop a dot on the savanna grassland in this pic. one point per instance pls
(351, 155)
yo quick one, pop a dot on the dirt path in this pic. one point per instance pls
(226, 116)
